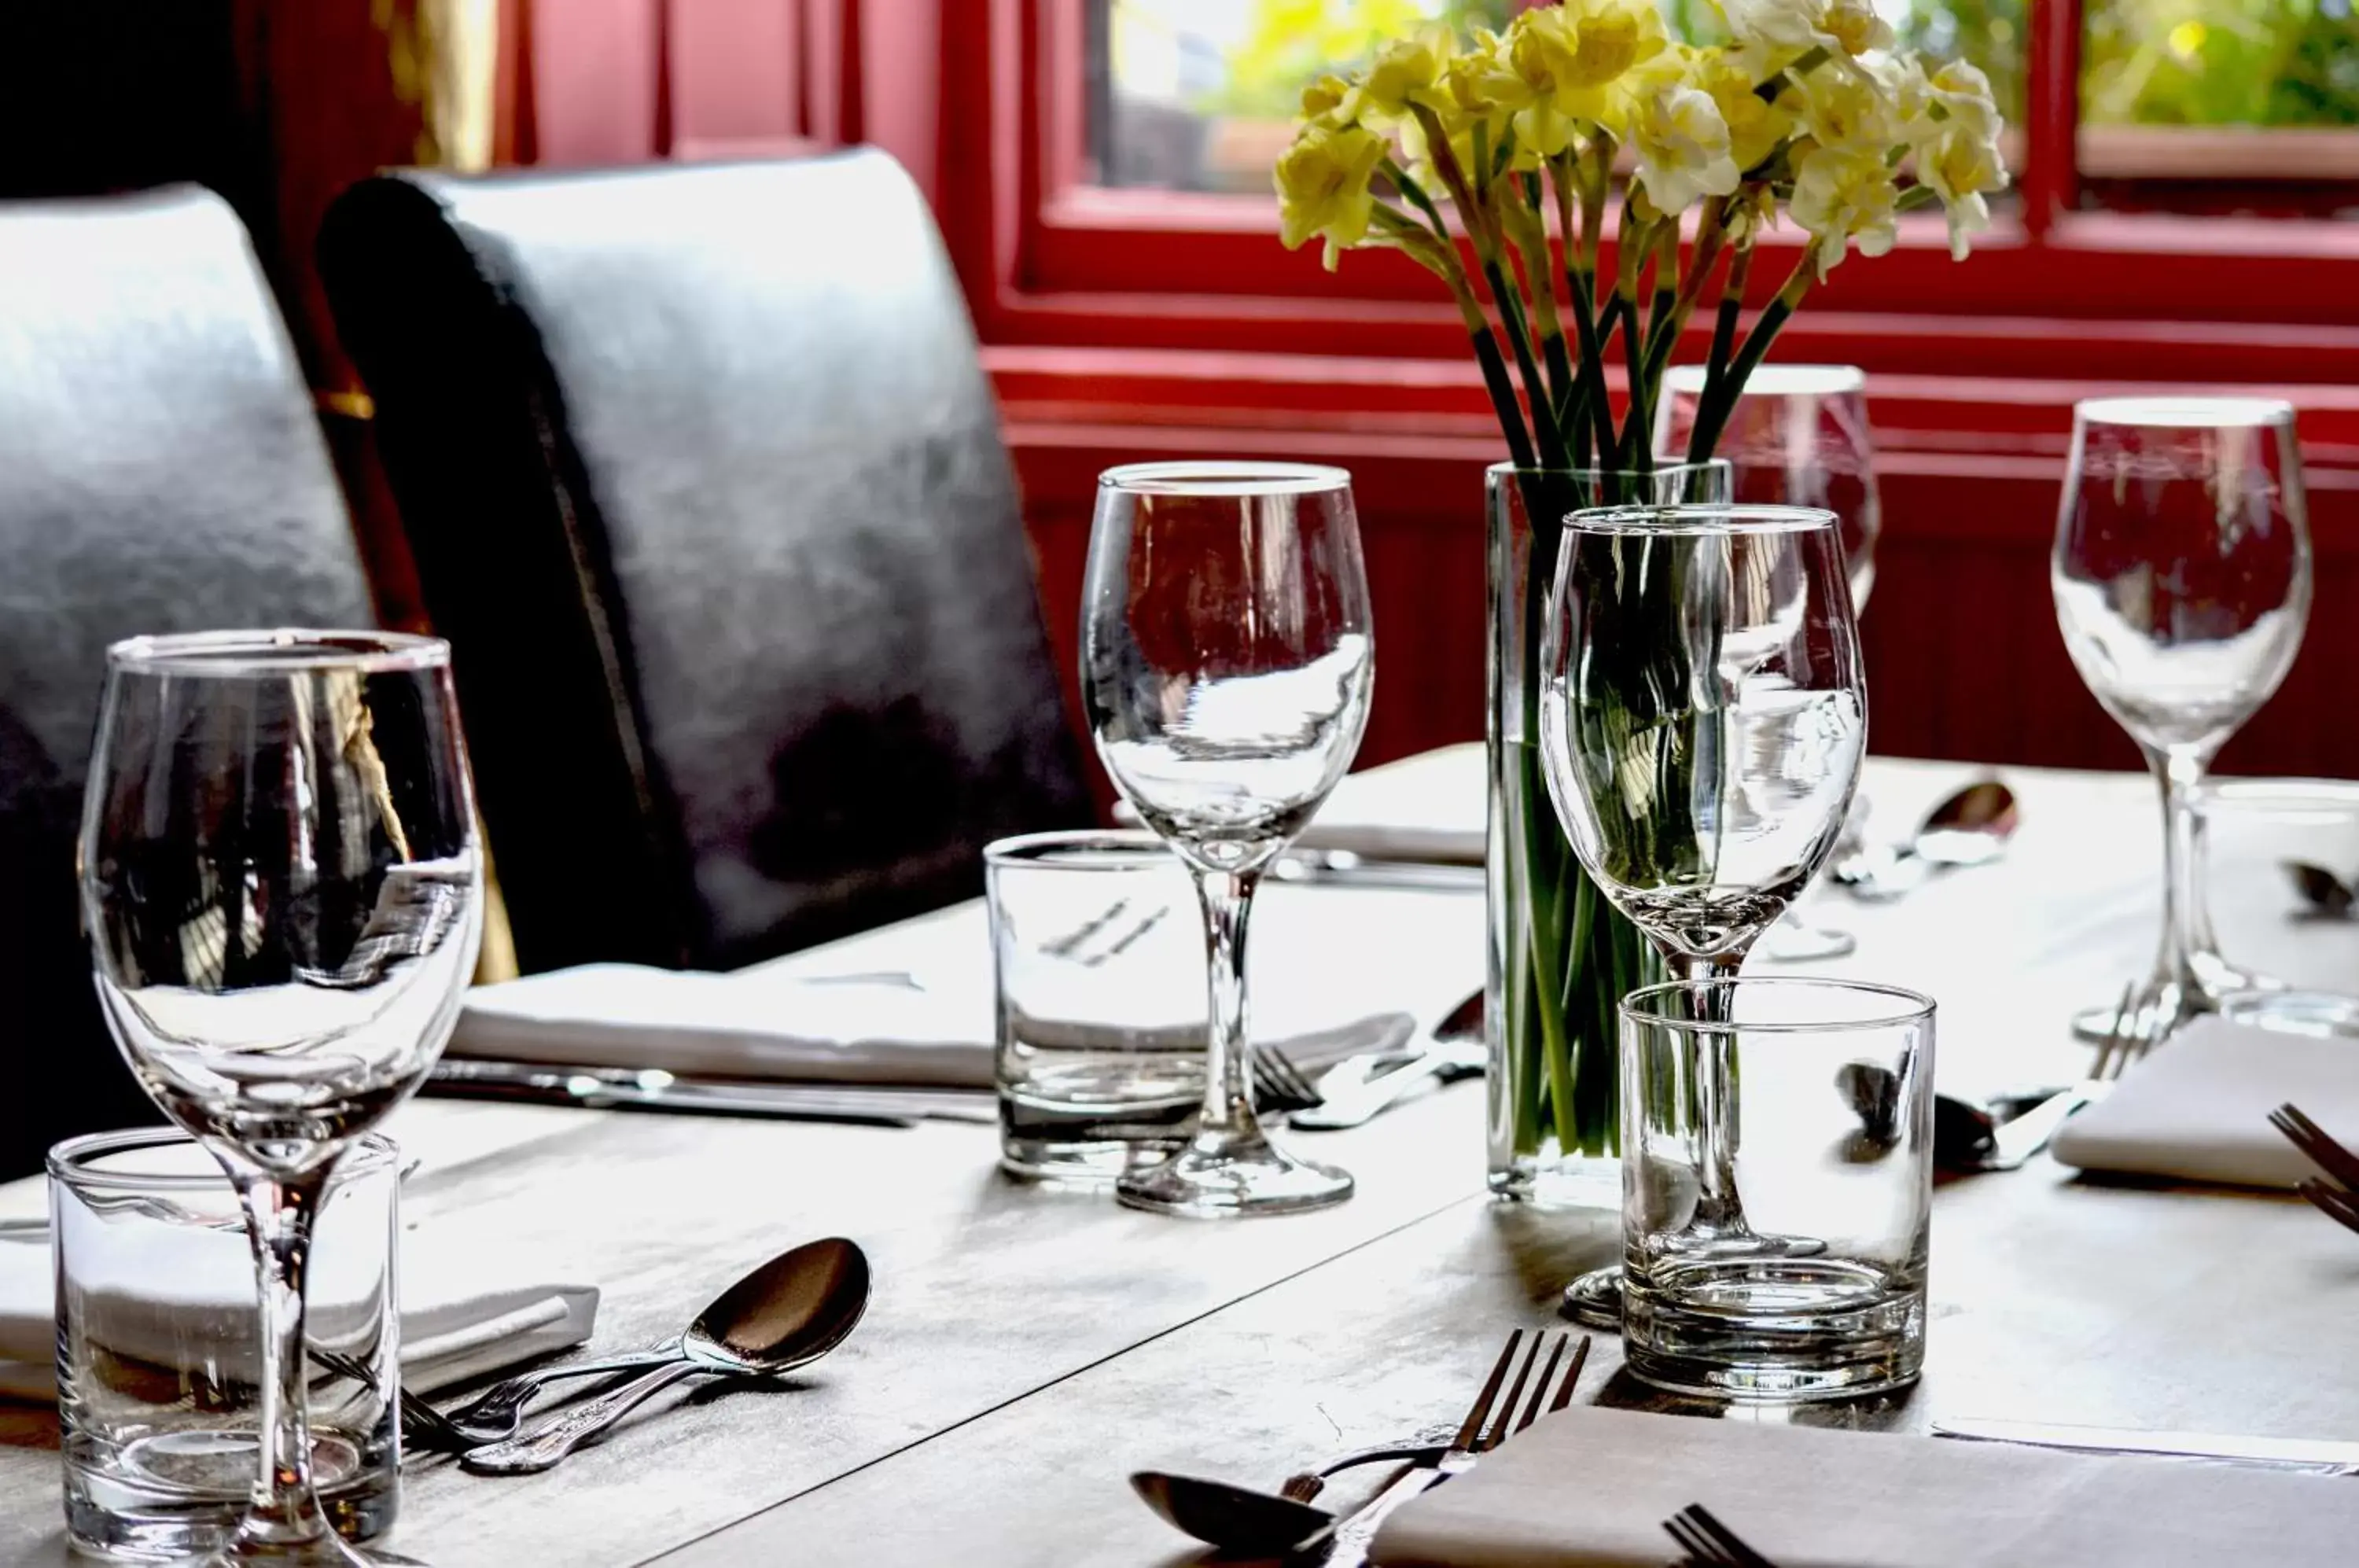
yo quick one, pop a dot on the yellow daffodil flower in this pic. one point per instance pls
(1774, 33)
(1330, 101)
(1755, 125)
(1322, 186)
(1844, 195)
(1573, 65)
(1408, 72)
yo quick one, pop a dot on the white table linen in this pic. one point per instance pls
(1590, 1488)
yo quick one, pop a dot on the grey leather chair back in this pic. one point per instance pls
(705, 485)
(161, 470)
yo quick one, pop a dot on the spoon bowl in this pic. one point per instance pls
(1969, 828)
(1234, 1518)
(787, 1314)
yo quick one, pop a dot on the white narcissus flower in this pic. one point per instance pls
(1959, 167)
(1777, 32)
(1965, 95)
(1847, 109)
(1844, 195)
(1682, 148)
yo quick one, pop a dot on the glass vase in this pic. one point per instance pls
(1561, 958)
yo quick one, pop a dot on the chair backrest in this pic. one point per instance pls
(705, 485)
(162, 469)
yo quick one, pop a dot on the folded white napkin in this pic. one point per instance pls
(186, 1295)
(1334, 969)
(1428, 808)
(2198, 1107)
(1591, 1488)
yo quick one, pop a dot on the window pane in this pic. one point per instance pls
(1200, 94)
(2220, 62)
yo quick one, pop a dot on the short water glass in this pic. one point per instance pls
(1824, 1090)
(1099, 954)
(160, 1354)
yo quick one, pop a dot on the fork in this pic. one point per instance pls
(422, 1423)
(1280, 1086)
(2126, 1040)
(2319, 1146)
(1479, 1435)
(1708, 1543)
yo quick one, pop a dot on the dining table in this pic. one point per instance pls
(1027, 1346)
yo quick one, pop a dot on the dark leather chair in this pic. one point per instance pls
(161, 470)
(704, 484)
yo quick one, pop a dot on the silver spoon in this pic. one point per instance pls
(1969, 828)
(788, 1313)
(2326, 894)
(1243, 1520)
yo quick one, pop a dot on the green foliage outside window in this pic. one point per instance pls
(2150, 63)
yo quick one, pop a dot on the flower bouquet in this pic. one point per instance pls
(1495, 162)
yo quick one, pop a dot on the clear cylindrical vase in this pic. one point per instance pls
(1561, 958)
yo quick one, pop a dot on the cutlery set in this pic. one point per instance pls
(787, 1314)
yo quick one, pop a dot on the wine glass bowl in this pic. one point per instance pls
(1226, 664)
(282, 894)
(1704, 715)
(2181, 570)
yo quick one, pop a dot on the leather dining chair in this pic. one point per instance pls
(162, 469)
(705, 485)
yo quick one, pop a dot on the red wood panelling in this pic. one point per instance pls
(1963, 655)
(593, 65)
(736, 73)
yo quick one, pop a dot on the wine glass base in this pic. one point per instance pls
(1595, 1300)
(1226, 1181)
(1792, 939)
(2163, 1005)
(331, 1550)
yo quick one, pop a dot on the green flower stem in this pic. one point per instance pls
(1720, 400)
(1581, 286)
(1724, 342)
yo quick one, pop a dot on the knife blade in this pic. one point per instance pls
(628, 1089)
(2315, 1457)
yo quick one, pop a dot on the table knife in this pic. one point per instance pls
(630, 1089)
(1355, 1532)
(2312, 1456)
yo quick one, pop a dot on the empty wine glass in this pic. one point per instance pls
(281, 891)
(1798, 436)
(1226, 660)
(2182, 580)
(1702, 720)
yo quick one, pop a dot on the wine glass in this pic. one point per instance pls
(282, 894)
(1702, 719)
(1798, 436)
(2181, 574)
(1226, 660)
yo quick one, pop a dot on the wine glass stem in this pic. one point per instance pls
(2185, 928)
(1227, 899)
(280, 1212)
(1720, 1208)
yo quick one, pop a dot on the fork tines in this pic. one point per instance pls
(1549, 1391)
(1279, 1084)
(1710, 1543)
(2125, 1039)
(2318, 1146)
